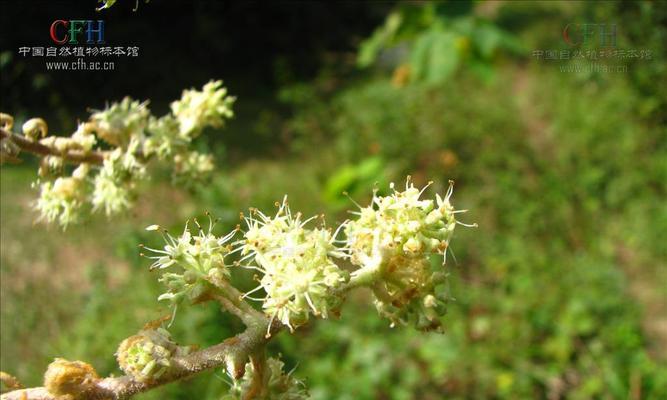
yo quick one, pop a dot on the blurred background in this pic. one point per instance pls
(557, 143)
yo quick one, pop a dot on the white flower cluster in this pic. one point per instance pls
(113, 186)
(197, 257)
(278, 385)
(136, 137)
(299, 274)
(164, 139)
(192, 167)
(120, 122)
(60, 200)
(195, 109)
(391, 242)
(147, 355)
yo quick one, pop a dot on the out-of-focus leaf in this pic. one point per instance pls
(381, 37)
(487, 39)
(349, 177)
(434, 57)
(444, 58)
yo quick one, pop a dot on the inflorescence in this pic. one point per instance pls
(391, 242)
(391, 245)
(106, 180)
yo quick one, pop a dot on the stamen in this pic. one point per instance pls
(252, 291)
(268, 328)
(310, 303)
(424, 188)
(450, 190)
(346, 194)
(467, 225)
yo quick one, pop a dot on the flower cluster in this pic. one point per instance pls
(299, 273)
(391, 243)
(277, 384)
(60, 200)
(197, 258)
(120, 122)
(193, 167)
(196, 109)
(113, 186)
(135, 136)
(146, 356)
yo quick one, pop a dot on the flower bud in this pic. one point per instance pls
(70, 379)
(146, 356)
(6, 121)
(35, 128)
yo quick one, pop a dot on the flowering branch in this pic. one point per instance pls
(106, 180)
(390, 243)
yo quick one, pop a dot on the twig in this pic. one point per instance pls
(231, 297)
(238, 347)
(72, 156)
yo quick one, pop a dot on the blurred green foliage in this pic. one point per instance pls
(436, 38)
(560, 292)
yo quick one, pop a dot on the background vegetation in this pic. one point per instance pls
(560, 293)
